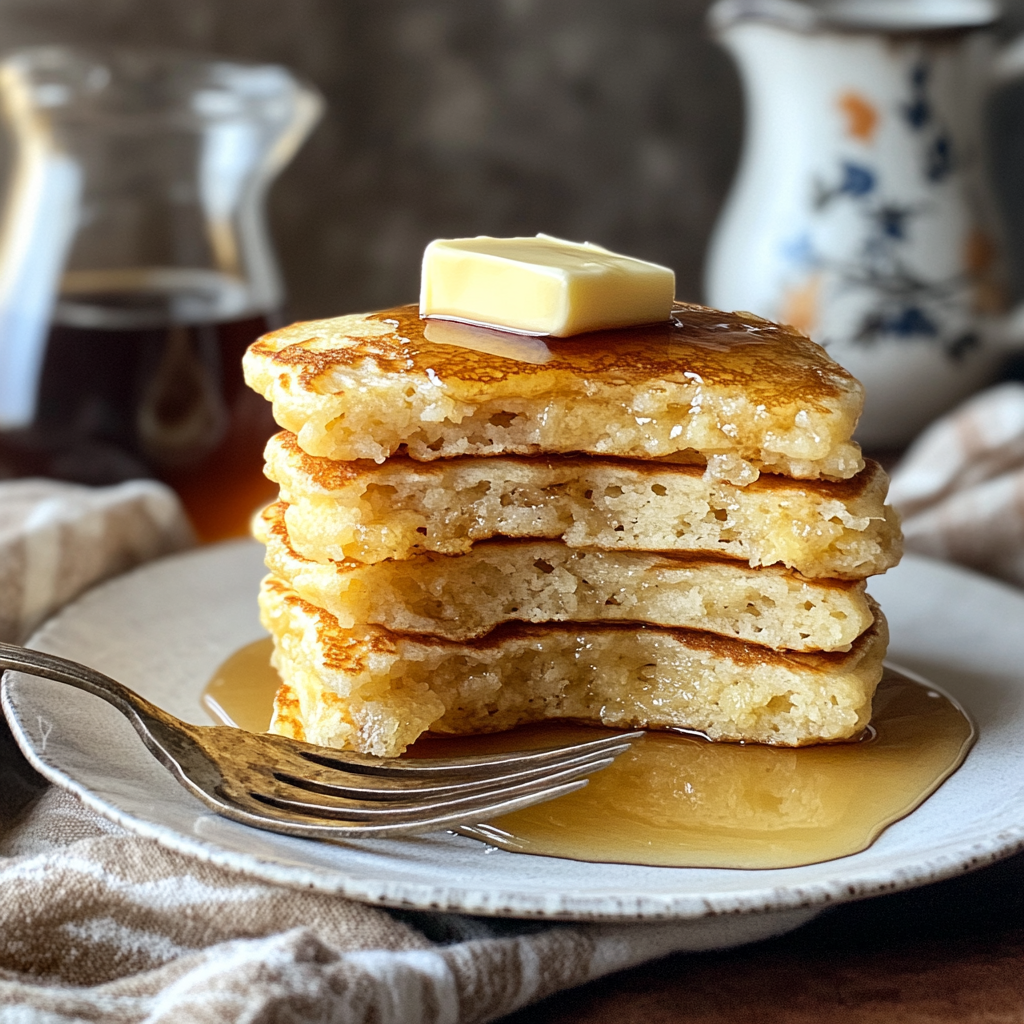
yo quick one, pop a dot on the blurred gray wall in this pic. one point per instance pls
(616, 121)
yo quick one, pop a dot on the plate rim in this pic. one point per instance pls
(945, 861)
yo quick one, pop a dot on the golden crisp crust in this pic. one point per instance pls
(287, 717)
(773, 364)
(719, 386)
(375, 690)
(402, 508)
(547, 581)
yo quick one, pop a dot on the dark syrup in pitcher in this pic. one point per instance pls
(126, 392)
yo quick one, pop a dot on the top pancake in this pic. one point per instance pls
(733, 391)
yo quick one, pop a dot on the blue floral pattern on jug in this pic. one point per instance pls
(907, 306)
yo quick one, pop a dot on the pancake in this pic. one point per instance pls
(369, 512)
(376, 691)
(468, 595)
(732, 392)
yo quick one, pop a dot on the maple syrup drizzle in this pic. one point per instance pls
(696, 345)
(678, 800)
(241, 691)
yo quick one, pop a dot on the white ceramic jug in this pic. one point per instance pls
(861, 210)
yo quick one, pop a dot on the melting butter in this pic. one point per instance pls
(678, 800)
(521, 347)
(542, 285)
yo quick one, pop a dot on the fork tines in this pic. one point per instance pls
(419, 793)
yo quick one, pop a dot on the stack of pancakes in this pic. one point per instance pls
(664, 526)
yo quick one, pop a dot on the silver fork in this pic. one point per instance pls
(282, 785)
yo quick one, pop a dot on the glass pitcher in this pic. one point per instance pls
(136, 266)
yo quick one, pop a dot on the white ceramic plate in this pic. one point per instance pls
(163, 630)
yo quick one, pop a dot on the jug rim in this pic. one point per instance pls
(887, 16)
(150, 85)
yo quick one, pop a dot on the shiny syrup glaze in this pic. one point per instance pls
(698, 347)
(677, 800)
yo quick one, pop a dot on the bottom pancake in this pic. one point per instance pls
(375, 691)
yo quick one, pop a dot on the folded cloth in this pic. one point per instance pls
(960, 485)
(56, 539)
(98, 924)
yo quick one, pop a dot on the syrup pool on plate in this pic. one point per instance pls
(677, 800)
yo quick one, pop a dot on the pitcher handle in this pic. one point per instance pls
(1008, 331)
(1007, 68)
(1008, 65)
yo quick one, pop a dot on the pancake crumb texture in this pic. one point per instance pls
(739, 393)
(545, 581)
(374, 690)
(366, 512)
(666, 526)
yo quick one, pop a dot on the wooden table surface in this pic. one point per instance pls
(950, 952)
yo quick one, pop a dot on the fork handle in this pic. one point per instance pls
(139, 711)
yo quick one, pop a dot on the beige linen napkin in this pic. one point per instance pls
(98, 924)
(56, 539)
(960, 486)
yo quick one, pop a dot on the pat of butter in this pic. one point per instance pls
(541, 285)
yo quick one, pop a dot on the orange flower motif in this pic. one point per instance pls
(861, 116)
(800, 305)
(979, 252)
(980, 259)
